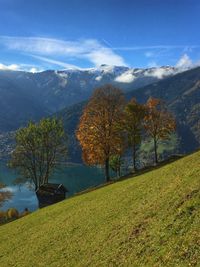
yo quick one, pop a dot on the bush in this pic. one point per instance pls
(12, 213)
(25, 212)
(2, 215)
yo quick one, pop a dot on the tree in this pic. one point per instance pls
(39, 149)
(4, 194)
(115, 164)
(132, 125)
(158, 122)
(97, 132)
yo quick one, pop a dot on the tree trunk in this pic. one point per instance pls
(119, 172)
(119, 167)
(46, 179)
(36, 187)
(155, 151)
(35, 181)
(107, 173)
(134, 158)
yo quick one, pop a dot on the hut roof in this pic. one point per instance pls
(52, 188)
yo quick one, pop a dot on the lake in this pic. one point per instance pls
(76, 178)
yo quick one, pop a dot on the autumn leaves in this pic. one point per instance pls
(158, 122)
(109, 126)
(97, 132)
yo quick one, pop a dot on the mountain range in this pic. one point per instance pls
(181, 93)
(25, 96)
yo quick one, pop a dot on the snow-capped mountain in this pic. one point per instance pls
(32, 95)
(63, 88)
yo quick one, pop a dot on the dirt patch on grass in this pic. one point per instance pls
(188, 197)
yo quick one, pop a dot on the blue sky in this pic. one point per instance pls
(57, 34)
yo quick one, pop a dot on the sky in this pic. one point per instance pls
(58, 34)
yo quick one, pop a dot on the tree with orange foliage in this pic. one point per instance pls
(158, 122)
(132, 125)
(97, 132)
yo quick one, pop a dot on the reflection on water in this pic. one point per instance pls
(75, 178)
(22, 198)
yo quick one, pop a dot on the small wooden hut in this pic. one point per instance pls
(49, 194)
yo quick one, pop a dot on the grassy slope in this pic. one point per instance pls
(150, 220)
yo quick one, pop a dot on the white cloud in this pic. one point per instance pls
(104, 55)
(10, 67)
(184, 62)
(160, 72)
(33, 70)
(107, 68)
(126, 77)
(20, 67)
(89, 49)
(56, 62)
(98, 78)
(155, 47)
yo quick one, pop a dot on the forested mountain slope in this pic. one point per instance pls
(182, 96)
(181, 92)
(26, 95)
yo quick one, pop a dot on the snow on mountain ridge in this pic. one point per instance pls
(123, 74)
(126, 77)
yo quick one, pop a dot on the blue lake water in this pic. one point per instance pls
(76, 178)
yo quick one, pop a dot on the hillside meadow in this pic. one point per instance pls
(151, 219)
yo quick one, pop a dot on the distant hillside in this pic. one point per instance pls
(182, 95)
(148, 220)
(17, 106)
(180, 92)
(25, 96)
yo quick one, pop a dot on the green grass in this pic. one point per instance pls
(150, 220)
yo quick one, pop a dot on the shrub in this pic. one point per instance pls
(2, 215)
(12, 213)
(25, 212)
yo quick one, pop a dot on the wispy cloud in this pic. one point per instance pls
(185, 62)
(20, 67)
(87, 49)
(126, 77)
(10, 67)
(160, 72)
(56, 62)
(154, 47)
(61, 52)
